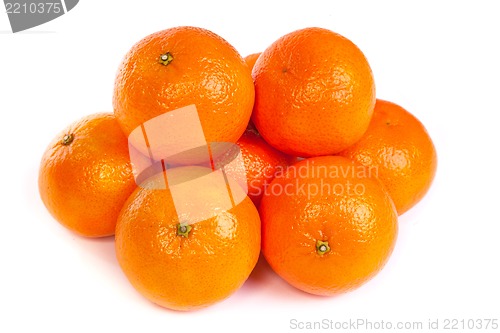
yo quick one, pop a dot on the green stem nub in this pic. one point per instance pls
(183, 229)
(322, 247)
(166, 58)
(67, 139)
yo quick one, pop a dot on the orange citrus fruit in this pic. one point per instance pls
(251, 59)
(261, 163)
(86, 176)
(181, 66)
(178, 258)
(328, 226)
(399, 147)
(314, 93)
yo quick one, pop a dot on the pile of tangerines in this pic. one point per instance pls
(328, 167)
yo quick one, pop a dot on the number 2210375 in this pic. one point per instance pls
(472, 324)
(33, 8)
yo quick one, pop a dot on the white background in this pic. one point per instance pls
(440, 60)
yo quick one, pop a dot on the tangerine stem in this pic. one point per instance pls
(166, 58)
(183, 229)
(322, 247)
(67, 139)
